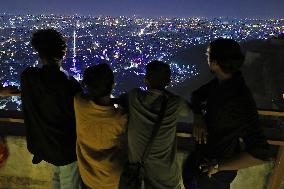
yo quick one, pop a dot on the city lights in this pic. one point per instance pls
(126, 43)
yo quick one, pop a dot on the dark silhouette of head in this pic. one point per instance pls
(227, 54)
(158, 75)
(50, 45)
(99, 80)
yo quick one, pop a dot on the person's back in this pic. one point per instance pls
(235, 140)
(99, 129)
(47, 101)
(47, 96)
(161, 169)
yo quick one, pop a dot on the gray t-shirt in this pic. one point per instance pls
(161, 169)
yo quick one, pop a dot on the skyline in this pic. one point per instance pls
(147, 8)
(126, 44)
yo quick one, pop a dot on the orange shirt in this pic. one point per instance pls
(99, 150)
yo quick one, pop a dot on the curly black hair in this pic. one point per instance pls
(99, 80)
(49, 43)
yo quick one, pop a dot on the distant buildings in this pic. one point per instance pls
(126, 43)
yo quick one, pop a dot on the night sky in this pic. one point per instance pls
(149, 8)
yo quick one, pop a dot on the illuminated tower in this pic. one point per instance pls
(73, 68)
(74, 49)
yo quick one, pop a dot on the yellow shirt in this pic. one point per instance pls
(99, 150)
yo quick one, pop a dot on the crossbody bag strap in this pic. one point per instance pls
(156, 128)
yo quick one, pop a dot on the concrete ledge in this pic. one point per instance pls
(20, 173)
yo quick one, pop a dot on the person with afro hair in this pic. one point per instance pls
(47, 95)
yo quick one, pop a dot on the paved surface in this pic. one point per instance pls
(20, 173)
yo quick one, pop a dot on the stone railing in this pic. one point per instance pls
(12, 124)
(278, 170)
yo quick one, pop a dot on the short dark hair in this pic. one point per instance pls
(158, 74)
(99, 80)
(49, 44)
(227, 53)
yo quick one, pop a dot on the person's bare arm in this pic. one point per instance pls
(199, 129)
(242, 161)
(9, 91)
